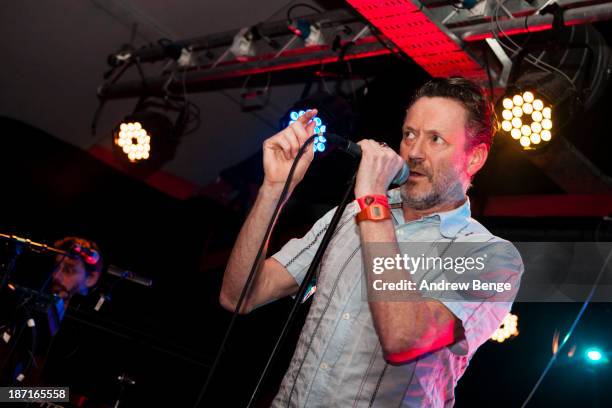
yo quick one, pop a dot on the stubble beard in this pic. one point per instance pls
(445, 188)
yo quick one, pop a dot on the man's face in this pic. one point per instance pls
(433, 145)
(70, 277)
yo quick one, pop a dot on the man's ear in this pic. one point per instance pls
(477, 158)
(92, 279)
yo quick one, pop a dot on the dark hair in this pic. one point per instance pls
(481, 120)
(68, 242)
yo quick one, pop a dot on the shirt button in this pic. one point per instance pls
(324, 366)
(346, 316)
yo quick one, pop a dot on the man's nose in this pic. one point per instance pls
(416, 149)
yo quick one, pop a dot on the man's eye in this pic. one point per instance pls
(437, 139)
(409, 135)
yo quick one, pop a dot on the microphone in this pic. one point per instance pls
(90, 256)
(354, 150)
(129, 275)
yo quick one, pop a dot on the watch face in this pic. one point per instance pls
(376, 211)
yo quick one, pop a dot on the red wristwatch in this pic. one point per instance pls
(374, 208)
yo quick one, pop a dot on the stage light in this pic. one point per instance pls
(556, 86)
(507, 329)
(333, 114)
(507, 126)
(134, 141)
(146, 139)
(593, 355)
(527, 110)
(318, 144)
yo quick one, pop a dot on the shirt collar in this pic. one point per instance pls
(451, 222)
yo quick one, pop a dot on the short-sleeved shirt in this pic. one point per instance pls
(338, 360)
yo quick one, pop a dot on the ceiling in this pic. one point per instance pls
(54, 56)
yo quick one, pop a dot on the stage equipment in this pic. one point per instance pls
(334, 114)
(147, 138)
(554, 80)
(508, 329)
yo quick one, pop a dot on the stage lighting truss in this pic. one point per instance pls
(527, 118)
(508, 329)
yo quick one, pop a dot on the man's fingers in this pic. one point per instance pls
(300, 131)
(285, 147)
(294, 143)
(306, 117)
(310, 128)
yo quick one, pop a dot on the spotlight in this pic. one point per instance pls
(320, 128)
(594, 355)
(529, 115)
(507, 329)
(334, 114)
(146, 139)
(134, 141)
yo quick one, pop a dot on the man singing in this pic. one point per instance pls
(355, 351)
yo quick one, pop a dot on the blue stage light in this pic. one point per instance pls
(593, 355)
(319, 129)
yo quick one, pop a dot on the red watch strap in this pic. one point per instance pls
(370, 199)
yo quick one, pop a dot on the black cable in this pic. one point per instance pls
(305, 5)
(308, 278)
(254, 268)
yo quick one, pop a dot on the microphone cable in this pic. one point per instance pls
(257, 261)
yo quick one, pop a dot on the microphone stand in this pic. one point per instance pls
(20, 243)
(306, 282)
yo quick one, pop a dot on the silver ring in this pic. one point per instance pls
(383, 144)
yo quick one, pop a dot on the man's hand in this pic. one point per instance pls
(280, 150)
(378, 167)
